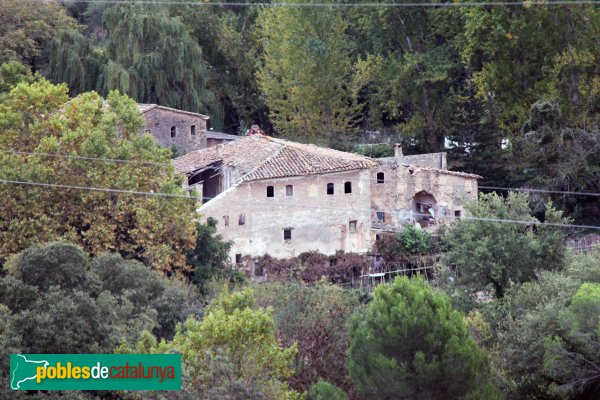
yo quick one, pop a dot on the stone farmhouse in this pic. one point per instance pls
(184, 130)
(284, 198)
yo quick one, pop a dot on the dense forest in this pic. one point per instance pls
(511, 92)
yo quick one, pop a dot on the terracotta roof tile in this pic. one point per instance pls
(262, 157)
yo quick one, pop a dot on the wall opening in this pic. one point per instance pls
(242, 219)
(380, 216)
(238, 259)
(173, 131)
(347, 187)
(380, 177)
(193, 130)
(457, 214)
(352, 226)
(424, 206)
(258, 269)
(330, 188)
(289, 190)
(287, 234)
(211, 181)
(270, 191)
(226, 220)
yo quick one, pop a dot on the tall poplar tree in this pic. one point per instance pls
(306, 72)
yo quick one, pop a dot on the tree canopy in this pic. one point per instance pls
(40, 118)
(410, 344)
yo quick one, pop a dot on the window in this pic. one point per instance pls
(226, 220)
(380, 216)
(352, 225)
(347, 187)
(289, 190)
(173, 131)
(242, 219)
(270, 191)
(193, 130)
(457, 214)
(330, 188)
(380, 177)
(238, 259)
(377, 238)
(287, 234)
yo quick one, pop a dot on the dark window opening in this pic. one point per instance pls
(377, 238)
(352, 226)
(258, 269)
(348, 187)
(457, 214)
(173, 131)
(287, 234)
(238, 259)
(330, 188)
(380, 216)
(289, 190)
(380, 177)
(226, 220)
(270, 191)
(193, 129)
(242, 219)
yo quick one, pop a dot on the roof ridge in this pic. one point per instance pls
(260, 164)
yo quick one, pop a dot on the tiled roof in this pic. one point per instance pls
(147, 107)
(262, 157)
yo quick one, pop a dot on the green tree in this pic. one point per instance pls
(232, 352)
(323, 390)
(40, 118)
(561, 157)
(572, 359)
(14, 72)
(148, 55)
(94, 304)
(410, 344)
(545, 332)
(26, 25)
(315, 317)
(210, 258)
(306, 71)
(489, 252)
(406, 72)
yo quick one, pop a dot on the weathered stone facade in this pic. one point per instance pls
(410, 193)
(300, 204)
(283, 198)
(186, 131)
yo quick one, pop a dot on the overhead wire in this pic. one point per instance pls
(452, 4)
(269, 204)
(484, 187)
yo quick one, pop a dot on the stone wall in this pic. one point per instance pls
(430, 160)
(160, 121)
(416, 195)
(318, 221)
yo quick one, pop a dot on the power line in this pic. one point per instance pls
(362, 5)
(192, 197)
(513, 189)
(541, 191)
(116, 160)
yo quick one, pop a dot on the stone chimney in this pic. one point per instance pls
(398, 153)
